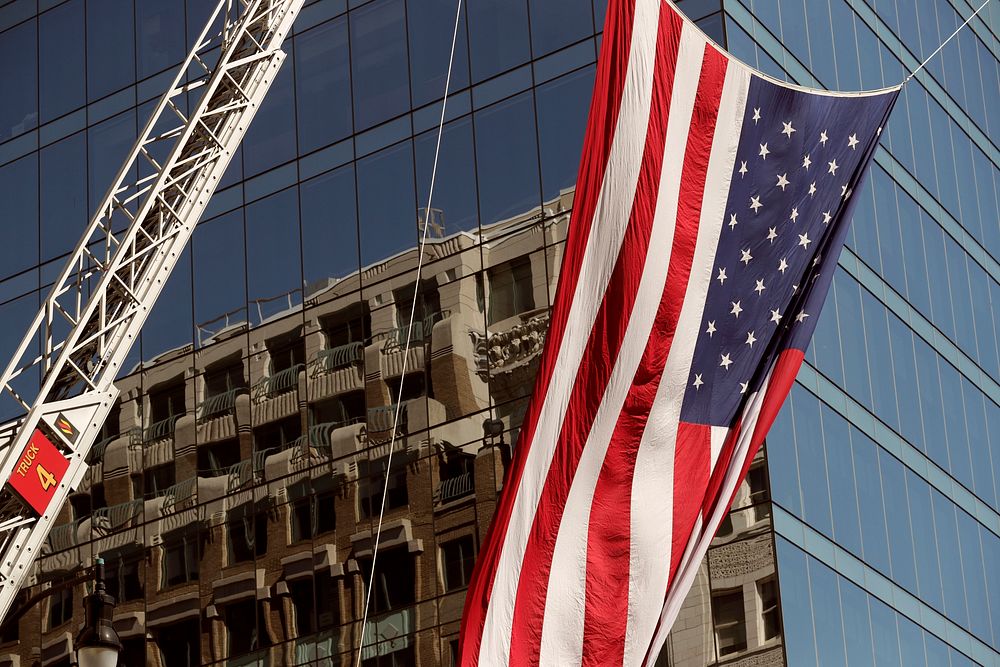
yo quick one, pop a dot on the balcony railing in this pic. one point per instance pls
(380, 417)
(96, 454)
(248, 470)
(456, 487)
(342, 356)
(421, 331)
(63, 537)
(279, 383)
(319, 435)
(387, 633)
(161, 429)
(179, 493)
(221, 403)
(117, 516)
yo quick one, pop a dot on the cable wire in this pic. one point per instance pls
(945, 42)
(409, 332)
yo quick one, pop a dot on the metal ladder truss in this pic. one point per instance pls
(65, 367)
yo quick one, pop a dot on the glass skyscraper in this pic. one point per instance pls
(235, 489)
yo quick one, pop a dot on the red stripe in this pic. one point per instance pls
(600, 355)
(692, 459)
(605, 105)
(609, 534)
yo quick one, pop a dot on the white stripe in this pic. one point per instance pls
(611, 216)
(719, 434)
(562, 630)
(704, 531)
(653, 480)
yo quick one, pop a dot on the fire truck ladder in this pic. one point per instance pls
(63, 372)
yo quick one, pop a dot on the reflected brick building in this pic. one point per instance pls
(234, 500)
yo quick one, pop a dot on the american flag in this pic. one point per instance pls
(712, 203)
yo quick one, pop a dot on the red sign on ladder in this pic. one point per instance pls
(38, 472)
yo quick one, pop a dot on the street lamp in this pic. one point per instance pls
(98, 644)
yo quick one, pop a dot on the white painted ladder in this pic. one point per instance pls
(90, 319)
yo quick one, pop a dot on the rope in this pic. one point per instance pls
(945, 42)
(409, 332)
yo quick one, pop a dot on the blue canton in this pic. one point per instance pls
(801, 158)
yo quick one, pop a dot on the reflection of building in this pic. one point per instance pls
(234, 498)
(236, 484)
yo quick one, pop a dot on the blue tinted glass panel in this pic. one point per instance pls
(827, 615)
(873, 530)
(558, 23)
(160, 38)
(379, 64)
(498, 36)
(857, 625)
(18, 80)
(562, 119)
(431, 24)
(839, 464)
(63, 195)
(270, 139)
(329, 226)
(19, 194)
(323, 85)
(507, 159)
(218, 249)
(108, 144)
(974, 576)
(62, 79)
(951, 561)
(455, 201)
(274, 255)
(387, 209)
(898, 527)
(812, 462)
(169, 324)
(911, 643)
(885, 640)
(924, 542)
(796, 608)
(110, 47)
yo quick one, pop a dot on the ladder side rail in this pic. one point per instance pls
(59, 287)
(24, 541)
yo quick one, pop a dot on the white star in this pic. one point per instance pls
(795, 289)
(697, 381)
(844, 192)
(722, 276)
(852, 141)
(788, 129)
(755, 203)
(772, 233)
(743, 168)
(801, 316)
(732, 220)
(833, 167)
(878, 132)
(726, 361)
(775, 316)
(760, 287)
(823, 138)
(745, 256)
(736, 309)
(816, 260)
(756, 115)
(782, 266)
(827, 217)
(750, 339)
(782, 181)
(794, 215)
(812, 188)
(763, 151)
(711, 328)
(744, 386)
(806, 162)
(804, 241)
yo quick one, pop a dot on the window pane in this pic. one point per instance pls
(110, 48)
(507, 159)
(60, 71)
(159, 27)
(558, 23)
(323, 85)
(498, 35)
(562, 119)
(386, 206)
(219, 276)
(63, 195)
(273, 255)
(18, 80)
(455, 183)
(431, 25)
(379, 64)
(329, 226)
(270, 139)
(19, 194)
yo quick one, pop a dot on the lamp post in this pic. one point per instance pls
(98, 644)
